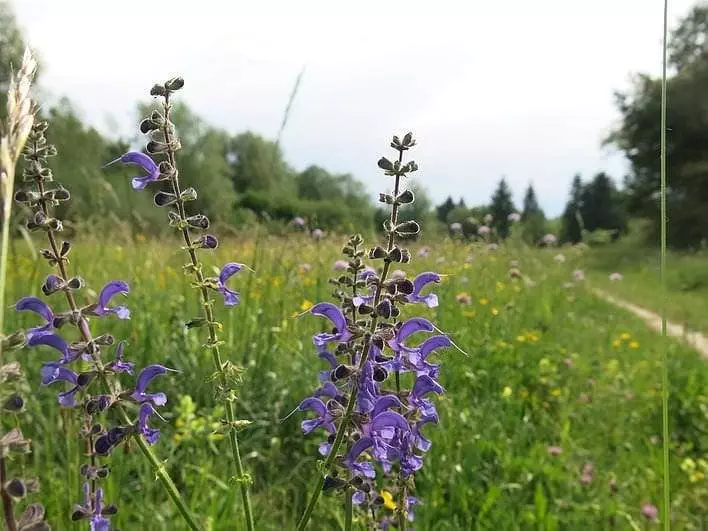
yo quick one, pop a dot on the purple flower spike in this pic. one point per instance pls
(231, 298)
(335, 315)
(422, 280)
(152, 435)
(38, 306)
(56, 342)
(135, 158)
(110, 290)
(144, 378)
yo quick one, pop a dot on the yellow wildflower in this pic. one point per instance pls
(500, 286)
(524, 393)
(688, 465)
(470, 314)
(507, 392)
(306, 305)
(503, 344)
(483, 301)
(276, 281)
(521, 339)
(388, 500)
(696, 476)
(616, 343)
(495, 311)
(634, 344)
(556, 392)
(625, 336)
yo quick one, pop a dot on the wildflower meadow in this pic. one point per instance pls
(165, 367)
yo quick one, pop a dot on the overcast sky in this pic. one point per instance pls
(514, 88)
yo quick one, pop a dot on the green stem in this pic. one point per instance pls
(352, 398)
(665, 368)
(348, 509)
(213, 338)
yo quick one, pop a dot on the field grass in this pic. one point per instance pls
(686, 281)
(545, 364)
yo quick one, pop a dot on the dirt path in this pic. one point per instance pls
(653, 321)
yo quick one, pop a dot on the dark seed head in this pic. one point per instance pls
(14, 403)
(380, 374)
(342, 371)
(16, 488)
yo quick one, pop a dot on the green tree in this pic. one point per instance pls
(532, 217)
(501, 206)
(570, 227)
(601, 206)
(687, 135)
(443, 209)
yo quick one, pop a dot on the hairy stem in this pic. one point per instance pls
(213, 337)
(348, 509)
(6, 499)
(85, 332)
(364, 356)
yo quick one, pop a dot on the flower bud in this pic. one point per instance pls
(175, 83)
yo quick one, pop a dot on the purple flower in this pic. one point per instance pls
(207, 241)
(231, 298)
(368, 392)
(424, 384)
(110, 290)
(324, 419)
(298, 221)
(135, 158)
(144, 378)
(317, 234)
(93, 510)
(38, 306)
(55, 372)
(410, 327)
(151, 435)
(330, 311)
(360, 469)
(422, 280)
(56, 342)
(119, 364)
(52, 284)
(417, 356)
